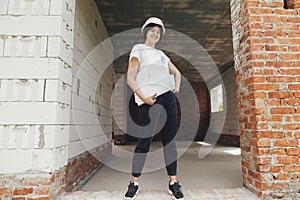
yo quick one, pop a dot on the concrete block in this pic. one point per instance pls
(28, 113)
(82, 117)
(50, 136)
(63, 113)
(58, 91)
(56, 7)
(31, 25)
(58, 48)
(24, 7)
(2, 41)
(4, 7)
(4, 131)
(35, 68)
(87, 86)
(13, 165)
(24, 161)
(80, 103)
(43, 160)
(79, 132)
(19, 137)
(22, 90)
(25, 46)
(28, 90)
(79, 147)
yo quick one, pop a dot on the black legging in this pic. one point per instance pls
(168, 102)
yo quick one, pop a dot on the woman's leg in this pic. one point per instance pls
(168, 135)
(139, 157)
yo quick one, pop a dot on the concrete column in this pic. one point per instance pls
(36, 49)
(267, 62)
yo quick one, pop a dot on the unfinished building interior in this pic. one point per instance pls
(62, 81)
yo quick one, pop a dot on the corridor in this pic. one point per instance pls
(217, 176)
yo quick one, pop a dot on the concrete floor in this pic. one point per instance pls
(220, 169)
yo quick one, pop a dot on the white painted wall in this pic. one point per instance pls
(91, 117)
(36, 46)
(231, 126)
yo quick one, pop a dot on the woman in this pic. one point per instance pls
(149, 77)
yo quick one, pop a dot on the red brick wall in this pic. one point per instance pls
(81, 167)
(33, 187)
(266, 41)
(204, 107)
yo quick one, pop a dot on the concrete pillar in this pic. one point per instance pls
(36, 49)
(266, 42)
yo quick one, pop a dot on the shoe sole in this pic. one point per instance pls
(132, 198)
(171, 193)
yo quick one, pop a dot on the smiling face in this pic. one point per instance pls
(153, 35)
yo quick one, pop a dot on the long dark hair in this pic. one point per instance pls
(150, 26)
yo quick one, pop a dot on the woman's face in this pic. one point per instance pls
(153, 35)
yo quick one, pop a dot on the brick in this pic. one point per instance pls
(287, 159)
(291, 168)
(297, 95)
(285, 143)
(290, 102)
(294, 86)
(276, 48)
(274, 18)
(256, 95)
(5, 191)
(268, 134)
(42, 190)
(293, 151)
(264, 87)
(290, 71)
(280, 95)
(282, 110)
(23, 191)
(38, 181)
(38, 198)
(255, 80)
(287, 26)
(277, 64)
(291, 126)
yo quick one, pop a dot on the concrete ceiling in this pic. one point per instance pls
(206, 21)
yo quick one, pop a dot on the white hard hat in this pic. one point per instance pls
(154, 20)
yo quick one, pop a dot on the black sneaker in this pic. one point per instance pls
(175, 191)
(132, 191)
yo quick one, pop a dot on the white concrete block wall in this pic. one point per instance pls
(231, 126)
(91, 117)
(36, 50)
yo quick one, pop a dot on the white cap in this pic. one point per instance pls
(154, 20)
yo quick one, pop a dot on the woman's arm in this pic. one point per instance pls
(131, 77)
(177, 76)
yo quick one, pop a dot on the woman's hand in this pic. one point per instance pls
(150, 100)
(176, 89)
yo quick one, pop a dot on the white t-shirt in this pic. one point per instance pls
(153, 74)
